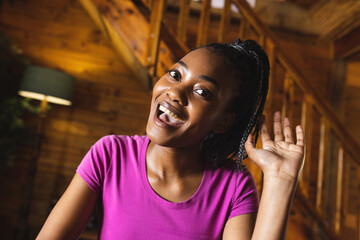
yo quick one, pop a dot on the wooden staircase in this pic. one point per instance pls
(329, 186)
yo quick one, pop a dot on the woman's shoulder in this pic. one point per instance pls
(230, 166)
(110, 140)
(229, 172)
(114, 137)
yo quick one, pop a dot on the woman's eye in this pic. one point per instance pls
(203, 93)
(174, 74)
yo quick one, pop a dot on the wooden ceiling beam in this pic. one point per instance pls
(348, 46)
(335, 18)
(121, 24)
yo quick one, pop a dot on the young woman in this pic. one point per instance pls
(181, 181)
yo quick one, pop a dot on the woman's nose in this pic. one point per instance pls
(177, 94)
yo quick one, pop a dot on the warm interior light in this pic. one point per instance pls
(41, 97)
(47, 84)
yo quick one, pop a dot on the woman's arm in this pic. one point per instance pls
(71, 213)
(281, 161)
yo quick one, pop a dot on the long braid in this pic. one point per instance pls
(257, 108)
(248, 59)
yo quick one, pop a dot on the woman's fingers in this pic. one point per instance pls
(288, 131)
(299, 136)
(278, 135)
(251, 150)
(265, 136)
(282, 131)
(250, 145)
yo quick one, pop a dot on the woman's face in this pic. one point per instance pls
(191, 100)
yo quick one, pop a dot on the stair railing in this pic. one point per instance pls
(327, 183)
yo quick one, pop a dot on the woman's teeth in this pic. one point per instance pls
(171, 114)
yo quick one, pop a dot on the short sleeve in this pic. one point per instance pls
(95, 164)
(246, 199)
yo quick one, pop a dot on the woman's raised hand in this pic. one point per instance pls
(281, 157)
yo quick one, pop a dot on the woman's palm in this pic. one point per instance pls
(281, 156)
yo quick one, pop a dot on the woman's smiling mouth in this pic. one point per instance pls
(170, 114)
(167, 118)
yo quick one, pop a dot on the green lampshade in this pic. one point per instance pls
(40, 83)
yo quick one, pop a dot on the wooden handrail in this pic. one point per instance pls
(321, 104)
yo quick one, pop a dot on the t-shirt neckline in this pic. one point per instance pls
(157, 198)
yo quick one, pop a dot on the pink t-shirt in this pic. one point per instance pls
(115, 168)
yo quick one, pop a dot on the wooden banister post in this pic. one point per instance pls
(307, 124)
(323, 157)
(262, 41)
(148, 3)
(243, 28)
(288, 97)
(157, 10)
(269, 101)
(204, 23)
(183, 20)
(225, 20)
(339, 189)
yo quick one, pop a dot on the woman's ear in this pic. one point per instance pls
(225, 123)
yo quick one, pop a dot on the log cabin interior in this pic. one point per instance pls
(116, 50)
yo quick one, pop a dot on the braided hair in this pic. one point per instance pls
(250, 66)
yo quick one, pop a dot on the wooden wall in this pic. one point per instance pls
(59, 34)
(352, 98)
(351, 117)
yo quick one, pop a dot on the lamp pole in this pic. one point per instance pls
(46, 85)
(22, 228)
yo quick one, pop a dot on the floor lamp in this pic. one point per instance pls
(48, 86)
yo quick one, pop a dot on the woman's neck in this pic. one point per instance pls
(174, 162)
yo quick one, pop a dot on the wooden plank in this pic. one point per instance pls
(225, 21)
(156, 16)
(119, 33)
(183, 20)
(338, 83)
(148, 4)
(85, 129)
(204, 23)
(262, 41)
(105, 105)
(347, 46)
(243, 28)
(335, 18)
(307, 124)
(288, 97)
(323, 157)
(353, 73)
(326, 231)
(116, 117)
(269, 102)
(339, 189)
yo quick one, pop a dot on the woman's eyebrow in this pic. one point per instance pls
(204, 77)
(209, 79)
(183, 64)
